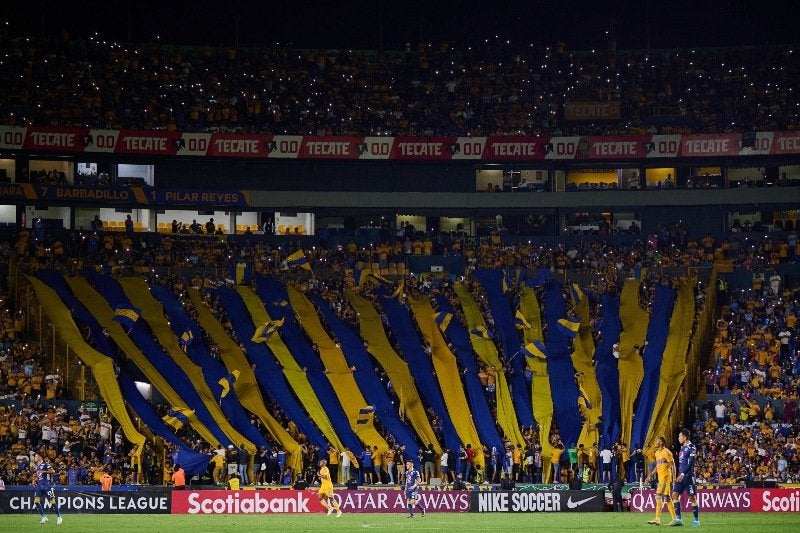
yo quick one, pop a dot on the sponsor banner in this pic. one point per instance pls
(200, 197)
(394, 501)
(514, 148)
(424, 148)
(285, 146)
(541, 501)
(713, 500)
(149, 142)
(623, 147)
(757, 143)
(197, 144)
(786, 142)
(305, 501)
(245, 502)
(775, 500)
(566, 148)
(12, 137)
(592, 110)
(711, 145)
(332, 147)
(468, 148)
(662, 146)
(233, 145)
(56, 139)
(375, 148)
(26, 192)
(101, 141)
(85, 140)
(115, 502)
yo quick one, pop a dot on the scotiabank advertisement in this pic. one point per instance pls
(775, 500)
(305, 501)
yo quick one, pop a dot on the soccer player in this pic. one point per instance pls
(665, 468)
(44, 488)
(325, 492)
(685, 480)
(413, 479)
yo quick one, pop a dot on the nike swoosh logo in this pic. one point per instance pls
(572, 505)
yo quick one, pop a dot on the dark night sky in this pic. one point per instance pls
(581, 24)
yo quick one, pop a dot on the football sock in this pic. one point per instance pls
(672, 507)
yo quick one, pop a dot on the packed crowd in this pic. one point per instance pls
(490, 88)
(752, 433)
(753, 358)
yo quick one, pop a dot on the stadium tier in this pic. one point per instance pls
(505, 266)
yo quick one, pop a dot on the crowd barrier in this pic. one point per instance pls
(284, 501)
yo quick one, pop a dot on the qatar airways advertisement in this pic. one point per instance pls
(729, 500)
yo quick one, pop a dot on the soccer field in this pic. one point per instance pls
(455, 523)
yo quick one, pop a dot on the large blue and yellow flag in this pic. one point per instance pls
(577, 293)
(569, 326)
(177, 417)
(266, 330)
(481, 331)
(398, 290)
(520, 322)
(227, 383)
(298, 259)
(126, 316)
(534, 350)
(380, 279)
(506, 282)
(443, 319)
(365, 414)
(583, 397)
(186, 338)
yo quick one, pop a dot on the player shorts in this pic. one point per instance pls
(663, 486)
(327, 492)
(687, 485)
(411, 494)
(44, 494)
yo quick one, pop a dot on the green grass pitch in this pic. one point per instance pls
(446, 522)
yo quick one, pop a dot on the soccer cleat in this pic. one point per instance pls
(59, 521)
(410, 516)
(654, 522)
(338, 513)
(330, 511)
(423, 512)
(44, 520)
(696, 523)
(675, 523)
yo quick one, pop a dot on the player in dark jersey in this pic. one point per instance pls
(684, 480)
(43, 487)
(413, 479)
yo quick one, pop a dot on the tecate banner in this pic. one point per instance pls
(716, 500)
(540, 501)
(21, 501)
(305, 501)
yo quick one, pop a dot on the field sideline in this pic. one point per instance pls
(452, 522)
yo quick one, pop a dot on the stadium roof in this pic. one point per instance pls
(382, 24)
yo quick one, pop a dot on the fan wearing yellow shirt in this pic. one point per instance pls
(325, 492)
(665, 469)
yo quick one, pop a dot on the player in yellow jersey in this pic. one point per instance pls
(665, 469)
(325, 492)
